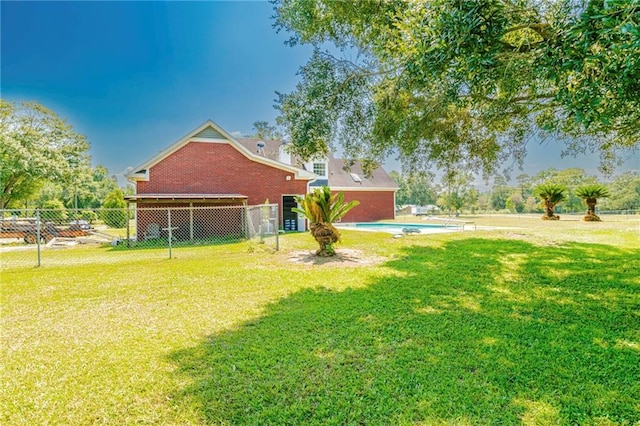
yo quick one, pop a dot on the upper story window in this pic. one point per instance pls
(320, 169)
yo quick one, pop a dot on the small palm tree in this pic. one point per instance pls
(551, 195)
(590, 195)
(322, 209)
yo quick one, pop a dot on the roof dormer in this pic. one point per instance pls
(319, 167)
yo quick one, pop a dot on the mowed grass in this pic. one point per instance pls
(535, 323)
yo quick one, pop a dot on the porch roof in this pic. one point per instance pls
(186, 198)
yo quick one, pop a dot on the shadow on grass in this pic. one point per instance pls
(478, 331)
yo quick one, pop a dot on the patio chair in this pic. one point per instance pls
(153, 231)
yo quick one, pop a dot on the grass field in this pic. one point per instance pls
(528, 323)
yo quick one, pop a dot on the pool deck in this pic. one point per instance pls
(457, 222)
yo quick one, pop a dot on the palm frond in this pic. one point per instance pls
(321, 206)
(595, 190)
(551, 192)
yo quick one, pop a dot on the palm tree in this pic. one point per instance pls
(322, 209)
(551, 195)
(590, 195)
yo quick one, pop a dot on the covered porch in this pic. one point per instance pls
(187, 216)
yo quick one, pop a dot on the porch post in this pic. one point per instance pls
(128, 224)
(191, 221)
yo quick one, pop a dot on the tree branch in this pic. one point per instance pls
(522, 98)
(363, 71)
(541, 29)
(523, 48)
(535, 97)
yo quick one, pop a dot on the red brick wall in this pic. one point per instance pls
(215, 168)
(374, 205)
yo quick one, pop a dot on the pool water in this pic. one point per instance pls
(398, 228)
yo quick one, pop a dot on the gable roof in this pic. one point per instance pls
(212, 133)
(353, 179)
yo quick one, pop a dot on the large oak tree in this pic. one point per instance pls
(466, 83)
(36, 146)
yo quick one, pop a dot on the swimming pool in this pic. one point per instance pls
(398, 228)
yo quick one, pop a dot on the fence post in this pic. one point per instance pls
(191, 222)
(128, 224)
(276, 227)
(246, 232)
(169, 229)
(38, 233)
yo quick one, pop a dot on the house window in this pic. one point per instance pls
(320, 169)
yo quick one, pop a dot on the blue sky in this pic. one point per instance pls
(136, 76)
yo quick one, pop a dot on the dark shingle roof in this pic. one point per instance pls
(338, 176)
(341, 178)
(268, 148)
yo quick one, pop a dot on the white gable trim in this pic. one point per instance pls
(207, 140)
(141, 172)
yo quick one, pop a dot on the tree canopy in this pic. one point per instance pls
(417, 189)
(36, 146)
(264, 130)
(86, 190)
(466, 83)
(625, 192)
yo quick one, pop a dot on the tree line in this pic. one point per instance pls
(455, 192)
(45, 164)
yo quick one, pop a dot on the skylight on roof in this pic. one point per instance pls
(355, 177)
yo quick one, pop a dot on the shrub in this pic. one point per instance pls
(54, 211)
(88, 215)
(114, 212)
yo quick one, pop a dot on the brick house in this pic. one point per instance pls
(209, 167)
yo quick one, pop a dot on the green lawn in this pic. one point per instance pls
(536, 323)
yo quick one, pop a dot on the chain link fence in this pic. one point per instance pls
(30, 237)
(617, 215)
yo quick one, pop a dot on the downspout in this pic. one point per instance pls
(394, 203)
(135, 185)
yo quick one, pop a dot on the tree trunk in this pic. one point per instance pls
(591, 206)
(549, 214)
(591, 215)
(326, 235)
